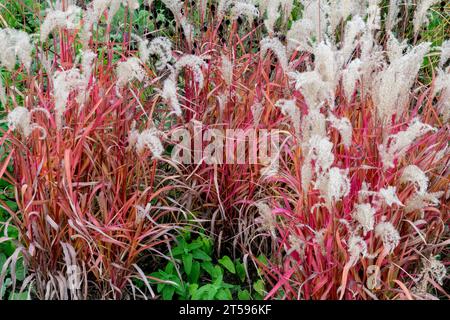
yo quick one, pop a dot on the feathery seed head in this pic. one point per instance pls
(365, 215)
(275, 45)
(289, 108)
(20, 118)
(147, 139)
(396, 145)
(64, 82)
(389, 235)
(68, 19)
(414, 174)
(356, 247)
(14, 44)
(389, 196)
(266, 217)
(169, 94)
(195, 64)
(241, 8)
(128, 70)
(333, 185)
(344, 126)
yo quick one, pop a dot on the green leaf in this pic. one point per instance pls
(20, 271)
(2, 260)
(138, 283)
(170, 268)
(244, 295)
(194, 246)
(4, 286)
(195, 272)
(162, 276)
(204, 292)
(217, 274)
(258, 286)
(18, 296)
(228, 285)
(208, 267)
(240, 270)
(7, 247)
(160, 18)
(224, 294)
(192, 289)
(207, 245)
(12, 205)
(168, 292)
(228, 264)
(158, 275)
(263, 260)
(177, 251)
(187, 263)
(180, 248)
(212, 291)
(186, 236)
(201, 255)
(181, 290)
(161, 286)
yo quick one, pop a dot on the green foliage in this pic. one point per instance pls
(20, 15)
(7, 198)
(196, 276)
(162, 19)
(435, 32)
(5, 287)
(228, 264)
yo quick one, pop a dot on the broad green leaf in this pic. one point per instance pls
(263, 259)
(195, 272)
(160, 287)
(168, 292)
(187, 263)
(4, 286)
(204, 292)
(181, 290)
(207, 246)
(224, 294)
(229, 285)
(12, 205)
(177, 251)
(208, 267)
(20, 271)
(194, 246)
(201, 255)
(180, 248)
(212, 291)
(192, 288)
(162, 276)
(240, 270)
(244, 295)
(170, 268)
(217, 274)
(258, 286)
(228, 264)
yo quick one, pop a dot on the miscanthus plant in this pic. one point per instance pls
(90, 182)
(354, 208)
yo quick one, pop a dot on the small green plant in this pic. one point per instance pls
(195, 275)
